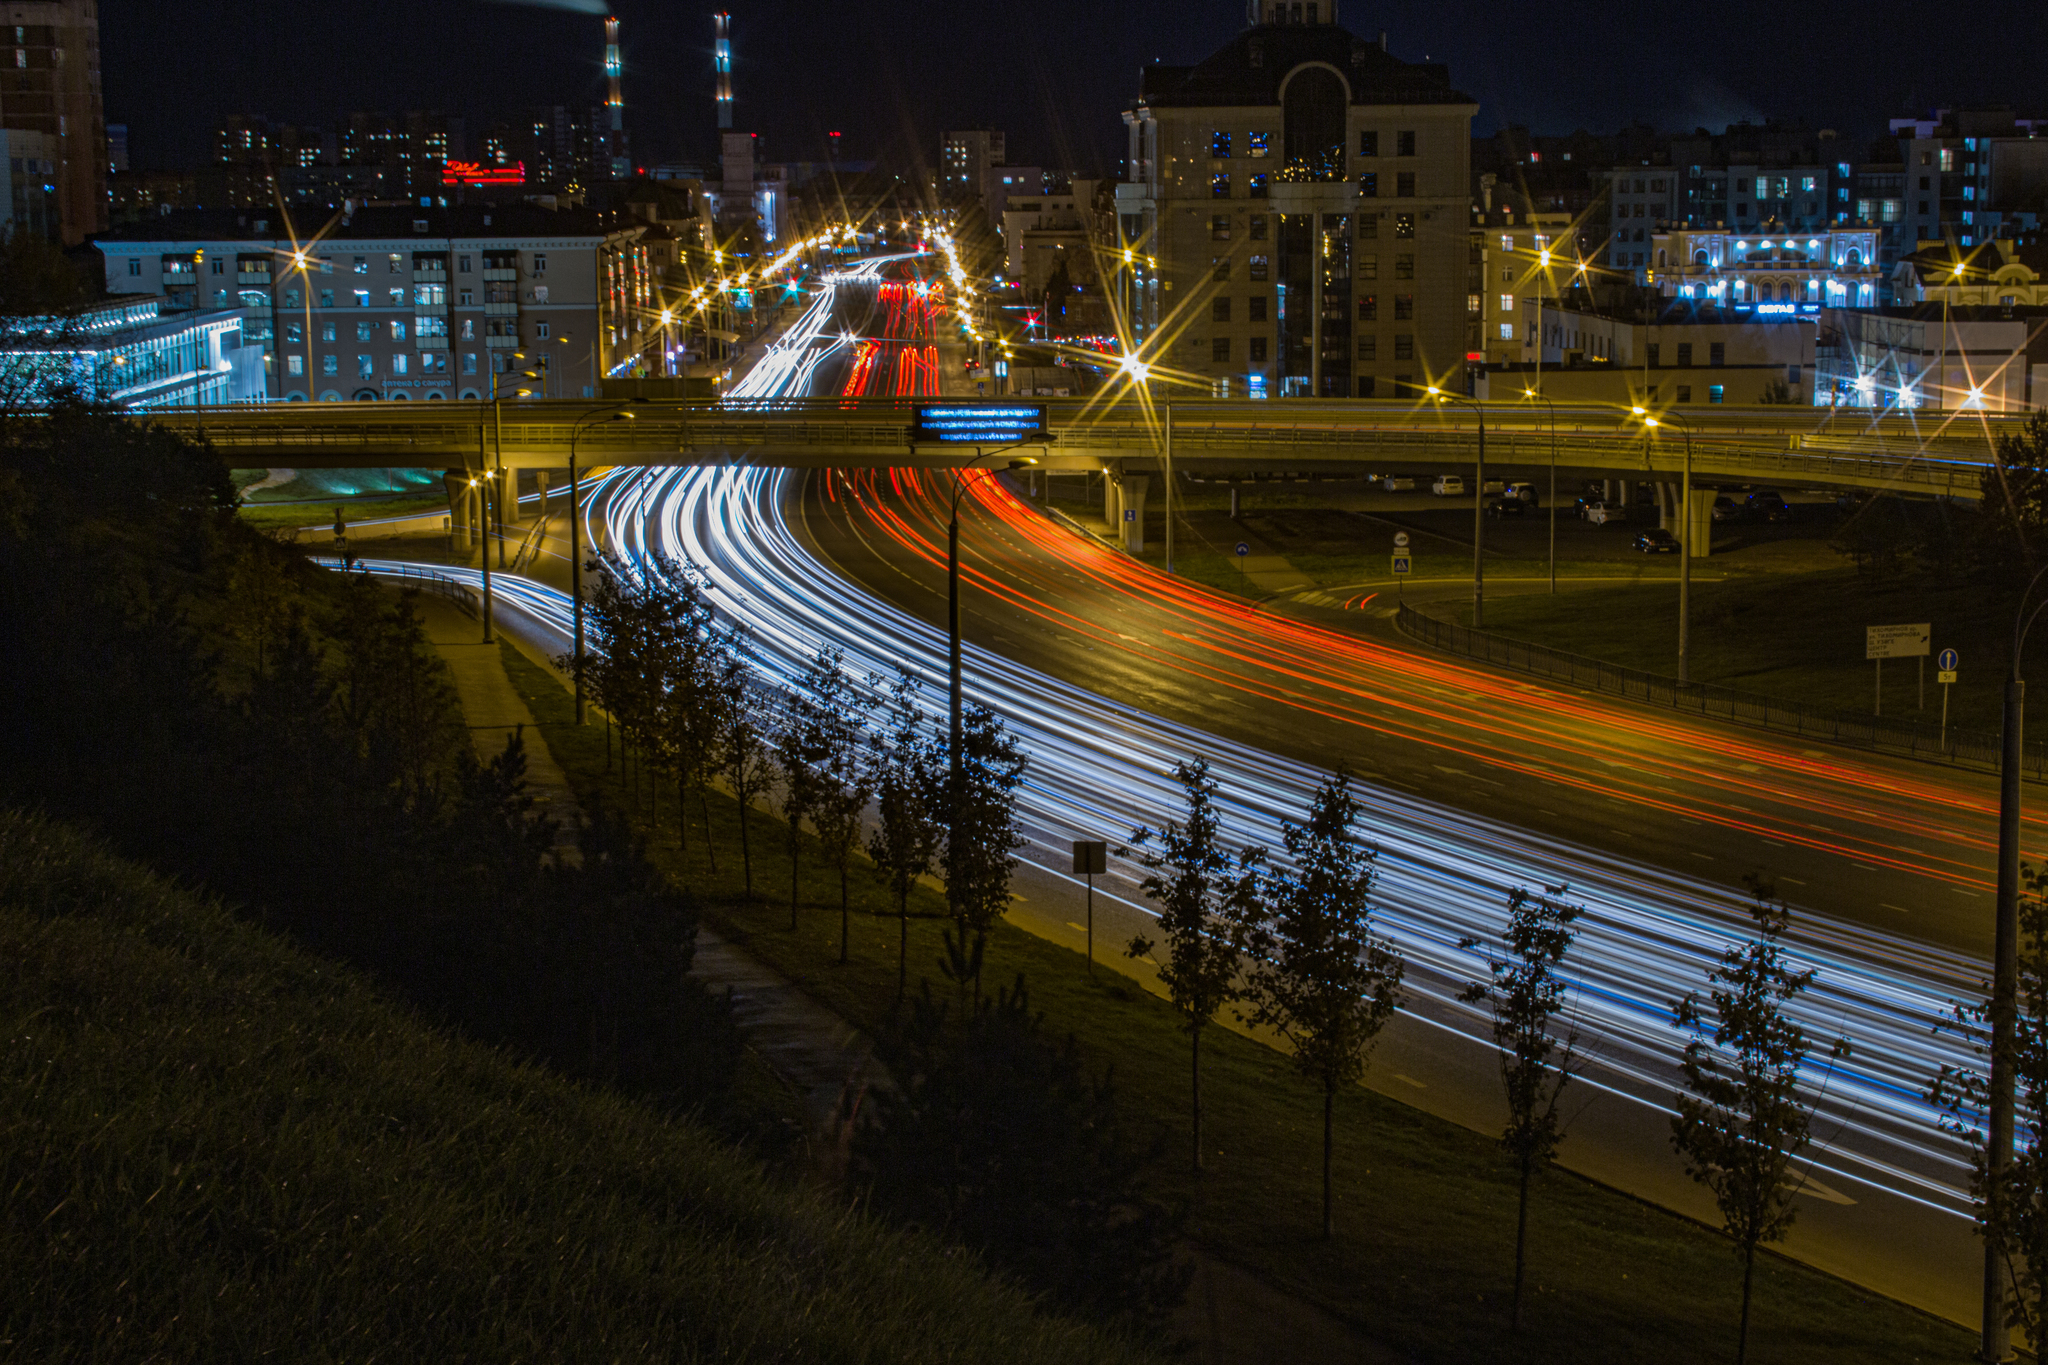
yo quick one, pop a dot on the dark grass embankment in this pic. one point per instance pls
(214, 1146)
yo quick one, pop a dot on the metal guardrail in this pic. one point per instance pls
(461, 594)
(1911, 739)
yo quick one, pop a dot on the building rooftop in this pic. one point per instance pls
(470, 220)
(1248, 70)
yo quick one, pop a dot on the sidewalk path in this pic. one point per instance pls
(817, 1054)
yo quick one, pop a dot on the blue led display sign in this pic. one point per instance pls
(979, 423)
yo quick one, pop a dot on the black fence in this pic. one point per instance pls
(1915, 739)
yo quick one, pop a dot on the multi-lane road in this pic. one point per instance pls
(1110, 671)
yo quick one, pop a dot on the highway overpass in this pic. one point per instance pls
(1935, 454)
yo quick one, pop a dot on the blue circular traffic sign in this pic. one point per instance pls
(1948, 660)
(1243, 549)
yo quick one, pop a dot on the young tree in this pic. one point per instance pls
(1319, 975)
(1204, 895)
(801, 748)
(1524, 994)
(2012, 1215)
(687, 684)
(982, 836)
(909, 794)
(1741, 1119)
(742, 746)
(2015, 506)
(841, 782)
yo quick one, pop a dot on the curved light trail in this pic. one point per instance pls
(1100, 768)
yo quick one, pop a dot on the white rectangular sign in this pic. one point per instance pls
(1897, 642)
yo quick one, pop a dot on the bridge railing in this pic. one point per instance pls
(456, 433)
(1910, 738)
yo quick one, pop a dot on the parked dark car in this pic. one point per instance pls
(1657, 542)
(1767, 505)
(1506, 507)
(1727, 508)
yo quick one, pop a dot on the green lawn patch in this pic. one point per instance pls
(1423, 1254)
(1796, 636)
(214, 1146)
(270, 516)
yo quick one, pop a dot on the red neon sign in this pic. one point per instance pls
(470, 173)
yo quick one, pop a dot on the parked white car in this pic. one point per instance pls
(1448, 485)
(1600, 513)
(1525, 492)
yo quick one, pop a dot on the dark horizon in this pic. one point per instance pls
(1051, 78)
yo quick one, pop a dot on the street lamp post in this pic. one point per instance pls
(1478, 509)
(1684, 544)
(1531, 393)
(2005, 955)
(620, 413)
(953, 658)
(498, 445)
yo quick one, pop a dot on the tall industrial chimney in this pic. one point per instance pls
(615, 105)
(721, 53)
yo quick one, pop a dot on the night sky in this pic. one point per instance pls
(1053, 73)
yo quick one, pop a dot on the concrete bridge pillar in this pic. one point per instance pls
(507, 494)
(1667, 508)
(456, 483)
(540, 483)
(1111, 507)
(1699, 540)
(1132, 529)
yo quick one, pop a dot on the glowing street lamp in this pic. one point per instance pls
(1478, 508)
(1685, 527)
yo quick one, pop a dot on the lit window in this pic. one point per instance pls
(362, 264)
(330, 364)
(1507, 243)
(1219, 186)
(1219, 145)
(1714, 393)
(1472, 303)
(1404, 225)
(398, 363)
(366, 366)
(327, 331)
(1257, 144)
(397, 329)
(327, 298)
(362, 298)
(1507, 303)
(295, 364)
(469, 362)
(1507, 331)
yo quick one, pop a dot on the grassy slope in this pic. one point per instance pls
(214, 1146)
(1794, 636)
(1423, 1254)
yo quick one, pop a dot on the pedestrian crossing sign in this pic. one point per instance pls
(1401, 565)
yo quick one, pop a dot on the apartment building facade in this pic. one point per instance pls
(52, 87)
(411, 304)
(1306, 196)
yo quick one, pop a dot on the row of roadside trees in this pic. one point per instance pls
(1291, 945)
(691, 704)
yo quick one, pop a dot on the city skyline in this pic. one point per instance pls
(870, 79)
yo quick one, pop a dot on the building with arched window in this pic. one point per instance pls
(1305, 196)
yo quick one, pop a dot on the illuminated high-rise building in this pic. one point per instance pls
(721, 57)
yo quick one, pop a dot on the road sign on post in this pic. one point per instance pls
(1091, 860)
(1401, 565)
(1947, 663)
(1894, 642)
